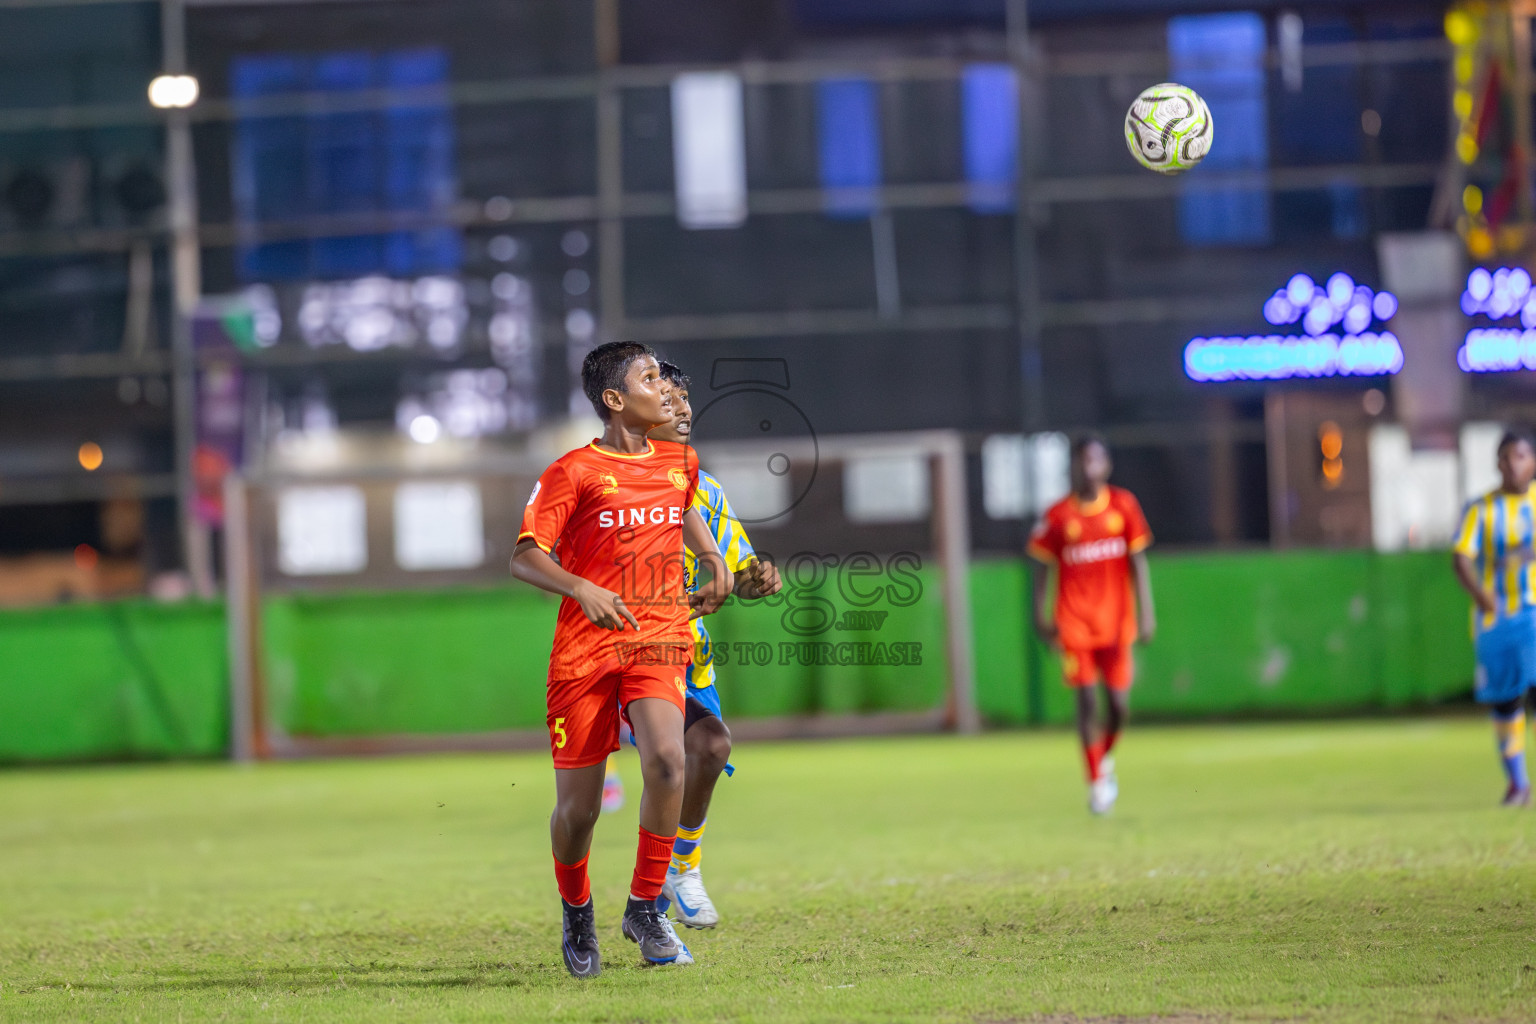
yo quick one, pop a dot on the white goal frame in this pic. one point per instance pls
(254, 736)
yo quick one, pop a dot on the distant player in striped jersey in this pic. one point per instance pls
(1492, 558)
(706, 740)
(1096, 538)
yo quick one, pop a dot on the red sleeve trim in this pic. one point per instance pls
(529, 535)
(1040, 553)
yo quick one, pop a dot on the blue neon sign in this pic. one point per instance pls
(1335, 342)
(1499, 295)
(1497, 350)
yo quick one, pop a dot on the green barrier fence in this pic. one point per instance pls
(119, 680)
(1294, 633)
(415, 662)
(1250, 633)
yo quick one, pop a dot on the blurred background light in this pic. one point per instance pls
(173, 92)
(1341, 287)
(1299, 289)
(1320, 352)
(425, 429)
(1277, 358)
(1498, 294)
(708, 152)
(1497, 350)
(90, 456)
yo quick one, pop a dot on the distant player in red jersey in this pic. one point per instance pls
(620, 510)
(1097, 539)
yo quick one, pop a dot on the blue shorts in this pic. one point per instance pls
(1506, 659)
(709, 696)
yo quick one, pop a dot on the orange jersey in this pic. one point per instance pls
(618, 520)
(1092, 547)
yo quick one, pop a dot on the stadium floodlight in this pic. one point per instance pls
(173, 92)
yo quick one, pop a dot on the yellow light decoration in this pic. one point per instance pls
(1464, 68)
(1511, 238)
(1466, 148)
(1480, 243)
(1472, 199)
(1461, 102)
(1460, 27)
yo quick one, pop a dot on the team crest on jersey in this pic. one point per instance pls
(1074, 529)
(679, 478)
(609, 481)
(535, 494)
(1115, 521)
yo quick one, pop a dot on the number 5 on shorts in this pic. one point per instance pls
(558, 732)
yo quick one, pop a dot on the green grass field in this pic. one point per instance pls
(1355, 871)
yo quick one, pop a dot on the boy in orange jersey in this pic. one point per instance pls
(620, 510)
(1097, 539)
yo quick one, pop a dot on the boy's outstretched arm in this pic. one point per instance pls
(1039, 582)
(1466, 575)
(1146, 614)
(532, 564)
(712, 594)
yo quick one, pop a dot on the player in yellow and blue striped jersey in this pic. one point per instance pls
(1493, 560)
(706, 740)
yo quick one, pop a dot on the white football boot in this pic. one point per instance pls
(686, 891)
(1103, 793)
(686, 956)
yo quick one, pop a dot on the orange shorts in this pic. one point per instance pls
(583, 715)
(1114, 665)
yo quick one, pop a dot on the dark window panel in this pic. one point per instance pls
(685, 31)
(901, 380)
(950, 257)
(781, 136)
(1173, 484)
(29, 528)
(73, 304)
(485, 40)
(647, 158)
(1083, 123)
(524, 150)
(1414, 109)
(800, 261)
(922, 124)
(1404, 209)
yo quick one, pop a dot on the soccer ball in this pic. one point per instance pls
(1168, 128)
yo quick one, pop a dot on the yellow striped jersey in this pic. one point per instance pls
(735, 548)
(1497, 533)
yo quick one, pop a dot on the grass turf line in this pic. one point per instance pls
(1355, 871)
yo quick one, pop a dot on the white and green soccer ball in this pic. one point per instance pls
(1168, 128)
